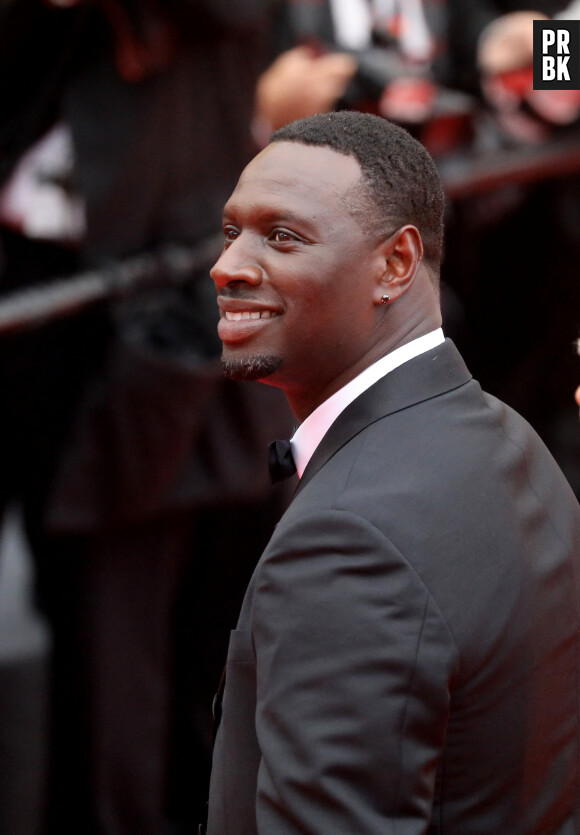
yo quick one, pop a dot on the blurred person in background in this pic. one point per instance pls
(123, 127)
(388, 57)
(493, 50)
(512, 251)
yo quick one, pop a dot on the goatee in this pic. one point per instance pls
(250, 368)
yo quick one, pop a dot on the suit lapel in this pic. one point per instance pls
(430, 374)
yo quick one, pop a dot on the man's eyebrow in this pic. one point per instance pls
(270, 215)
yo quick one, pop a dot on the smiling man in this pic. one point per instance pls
(407, 655)
(290, 290)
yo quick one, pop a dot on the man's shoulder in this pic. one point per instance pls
(462, 465)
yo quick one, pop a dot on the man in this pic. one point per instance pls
(406, 657)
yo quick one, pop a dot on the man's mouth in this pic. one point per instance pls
(240, 321)
(240, 315)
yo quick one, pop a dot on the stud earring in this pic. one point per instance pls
(385, 299)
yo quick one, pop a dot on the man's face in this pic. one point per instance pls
(295, 281)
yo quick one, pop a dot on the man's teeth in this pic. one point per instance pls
(246, 314)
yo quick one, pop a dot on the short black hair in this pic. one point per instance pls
(400, 176)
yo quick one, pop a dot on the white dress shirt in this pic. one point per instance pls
(35, 202)
(314, 428)
(353, 24)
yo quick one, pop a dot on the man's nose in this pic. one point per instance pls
(236, 264)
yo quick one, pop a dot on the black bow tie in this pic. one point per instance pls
(280, 461)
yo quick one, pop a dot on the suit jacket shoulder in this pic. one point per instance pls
(413, 626)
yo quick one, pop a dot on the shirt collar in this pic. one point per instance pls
(314, 428)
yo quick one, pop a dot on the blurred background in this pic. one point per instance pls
(133, 484)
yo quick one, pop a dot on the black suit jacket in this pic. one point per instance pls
(406, 659)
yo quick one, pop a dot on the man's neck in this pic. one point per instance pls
(312, 430)
(304, 401)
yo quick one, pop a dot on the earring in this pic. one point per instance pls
(385, 299)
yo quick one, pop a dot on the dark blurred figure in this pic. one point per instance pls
(124, 126)
(387, 57)
(513, 251)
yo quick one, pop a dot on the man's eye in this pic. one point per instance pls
(230, 233)
(281, 236)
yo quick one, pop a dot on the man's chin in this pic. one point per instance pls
(256, 367)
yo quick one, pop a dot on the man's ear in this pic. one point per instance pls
(400, 256)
